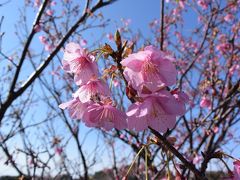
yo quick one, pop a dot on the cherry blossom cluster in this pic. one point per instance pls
(236, 172)
(91, 102)
(148, 73)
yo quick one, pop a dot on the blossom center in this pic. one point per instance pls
(156, 110)
(83, 62)
(149, 67)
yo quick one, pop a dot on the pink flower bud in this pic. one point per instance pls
(205, 102)
(37, 28)
(50, 12)
(58, 150)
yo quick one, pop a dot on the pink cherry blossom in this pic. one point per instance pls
(75, 107)
(48, 47)
(157, 110)
(94, 87)
(215, 129)
(203, 4)
(126, 22)
(31, 162)
(224, 47)
(37, 28)
(205, 102)
(50, 12)
(122, 136)
(154, 23)
(151, 68)
(175, 11)
(43, 39)
(164, 178)
(197, 159)
(104, 115)
(115, 82)
(181, 99)
(78, 61)
(110, 37)
(200, 19)
(37, 3)
(83, 42)
(236, 172)
(181, 4)
(59, 150)
(53, 3)
(234, 68)
(229, 17)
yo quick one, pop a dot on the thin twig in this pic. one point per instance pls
(164, 141)
(162, 26)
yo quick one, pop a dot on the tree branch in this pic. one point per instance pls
(25, 49)
(162, 26)
(164, 141)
